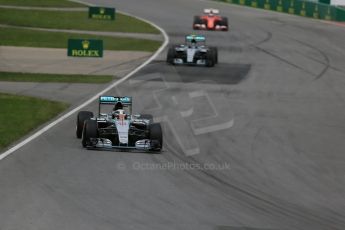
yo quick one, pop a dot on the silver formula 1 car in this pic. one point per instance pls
(193, 52)
(118, 129)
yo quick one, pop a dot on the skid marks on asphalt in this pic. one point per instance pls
(186, 109)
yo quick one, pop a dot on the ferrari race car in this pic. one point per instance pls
(118, 129)
(210, 21)
(193, 52)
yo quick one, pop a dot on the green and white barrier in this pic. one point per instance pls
(297, 7)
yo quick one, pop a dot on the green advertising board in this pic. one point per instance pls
(103, 13)
(85, 48)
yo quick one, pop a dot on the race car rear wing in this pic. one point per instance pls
(112, 100)
(197, 38)
(211, 11)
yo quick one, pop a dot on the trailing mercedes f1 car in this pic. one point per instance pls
(118, 129)
(211, 20)
(193, 52)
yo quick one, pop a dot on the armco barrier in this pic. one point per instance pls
(297, 7)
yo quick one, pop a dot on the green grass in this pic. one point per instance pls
(49, 3)
(73, 20)
(65, 78)
(20, 115)
(31, 38)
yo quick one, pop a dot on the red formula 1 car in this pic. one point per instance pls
(210, 21)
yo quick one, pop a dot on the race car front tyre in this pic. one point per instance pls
(210, 58)
(82, 116)
(171, 55)
(215, 52)
(225, 23)
(90, 130)
(197, 21)
(156, 135)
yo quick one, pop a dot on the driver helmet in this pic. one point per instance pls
(119, 112)
(118, 106)
(193, 42)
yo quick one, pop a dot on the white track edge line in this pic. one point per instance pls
(95, 97)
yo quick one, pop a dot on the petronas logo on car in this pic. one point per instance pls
(85, 48)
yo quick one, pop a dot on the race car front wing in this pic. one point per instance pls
(204, 27)
(179, 61)
(140, 145)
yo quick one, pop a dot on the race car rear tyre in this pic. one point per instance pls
(147, 117)
(90, 130)
(171, 55)
(82, 116)
(157, 135)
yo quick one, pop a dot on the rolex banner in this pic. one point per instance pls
(85, 48)
(103, 13)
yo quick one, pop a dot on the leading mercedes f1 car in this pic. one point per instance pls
(210, 21)
(118, 129)
(193, 52)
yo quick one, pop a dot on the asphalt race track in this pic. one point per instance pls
(264, 132)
